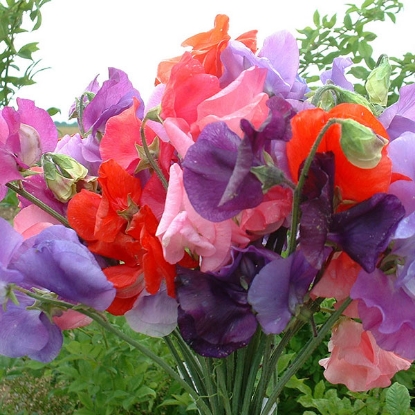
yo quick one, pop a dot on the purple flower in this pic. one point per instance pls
(115, 95)
(363, 231)
(83, 150)
(217, 168)
(336, 74)
(400, 117)
(54, 260)
(278, 289)
(387, 311)
(215, 317)
(402, 155)
(25, 134)
(28, 332)
(216, 174)
(279, 55)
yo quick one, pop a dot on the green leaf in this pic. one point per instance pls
(365, 50)
(347, 21)
(397, 399)
(316, 18)
(367, 3)
(53, 111)
(26, 51)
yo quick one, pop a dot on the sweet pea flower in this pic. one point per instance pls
(114, 96)
(279, 56)
(83, 150)
(53, 260)
(207, 47)
(336, 75)
(243, 98)
(400, 151)
(25, 134)
(181, 228)
(215, 317)
(388, 312)
(400, 117)
(357, 361)
(278, 289)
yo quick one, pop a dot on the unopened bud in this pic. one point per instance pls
(378, 82)
(61, 174)
(360, 144)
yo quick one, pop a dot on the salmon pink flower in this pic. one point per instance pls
(357, 361)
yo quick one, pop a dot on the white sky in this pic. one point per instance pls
(80, 39)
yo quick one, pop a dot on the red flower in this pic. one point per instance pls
(116, 226)
(355, 184)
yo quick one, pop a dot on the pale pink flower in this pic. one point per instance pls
(357, 361)
(181, 228)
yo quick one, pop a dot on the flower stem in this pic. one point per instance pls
(24, 193)
(301, 181)
(150, 158)
(304, 354)
(103, 322)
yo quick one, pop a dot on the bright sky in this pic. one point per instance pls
(80, 39)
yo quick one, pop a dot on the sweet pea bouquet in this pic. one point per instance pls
(221, 215)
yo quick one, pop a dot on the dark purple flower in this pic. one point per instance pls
(115, 95)
(336, 75)
(215, 318)
(365, 230)
(317, 208)
(216, 174)
(278, 289)
(279, 55)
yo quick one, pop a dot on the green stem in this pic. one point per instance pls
(301, 181)
(222, 390)
(103, 322)
(38, 203)
(302, 357)
(150, 158)
(238, 379)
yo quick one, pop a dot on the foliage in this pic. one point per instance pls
(332, 37)
(94, 374)
(13, 15)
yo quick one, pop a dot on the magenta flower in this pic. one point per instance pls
(25, 134)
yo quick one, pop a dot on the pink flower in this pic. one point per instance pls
(181, 228)
(243, 98)
(269, 215)
(31, 220)
(357, 361)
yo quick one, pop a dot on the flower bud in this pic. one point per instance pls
(361, 146)
(61, 174)
(378, 82)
